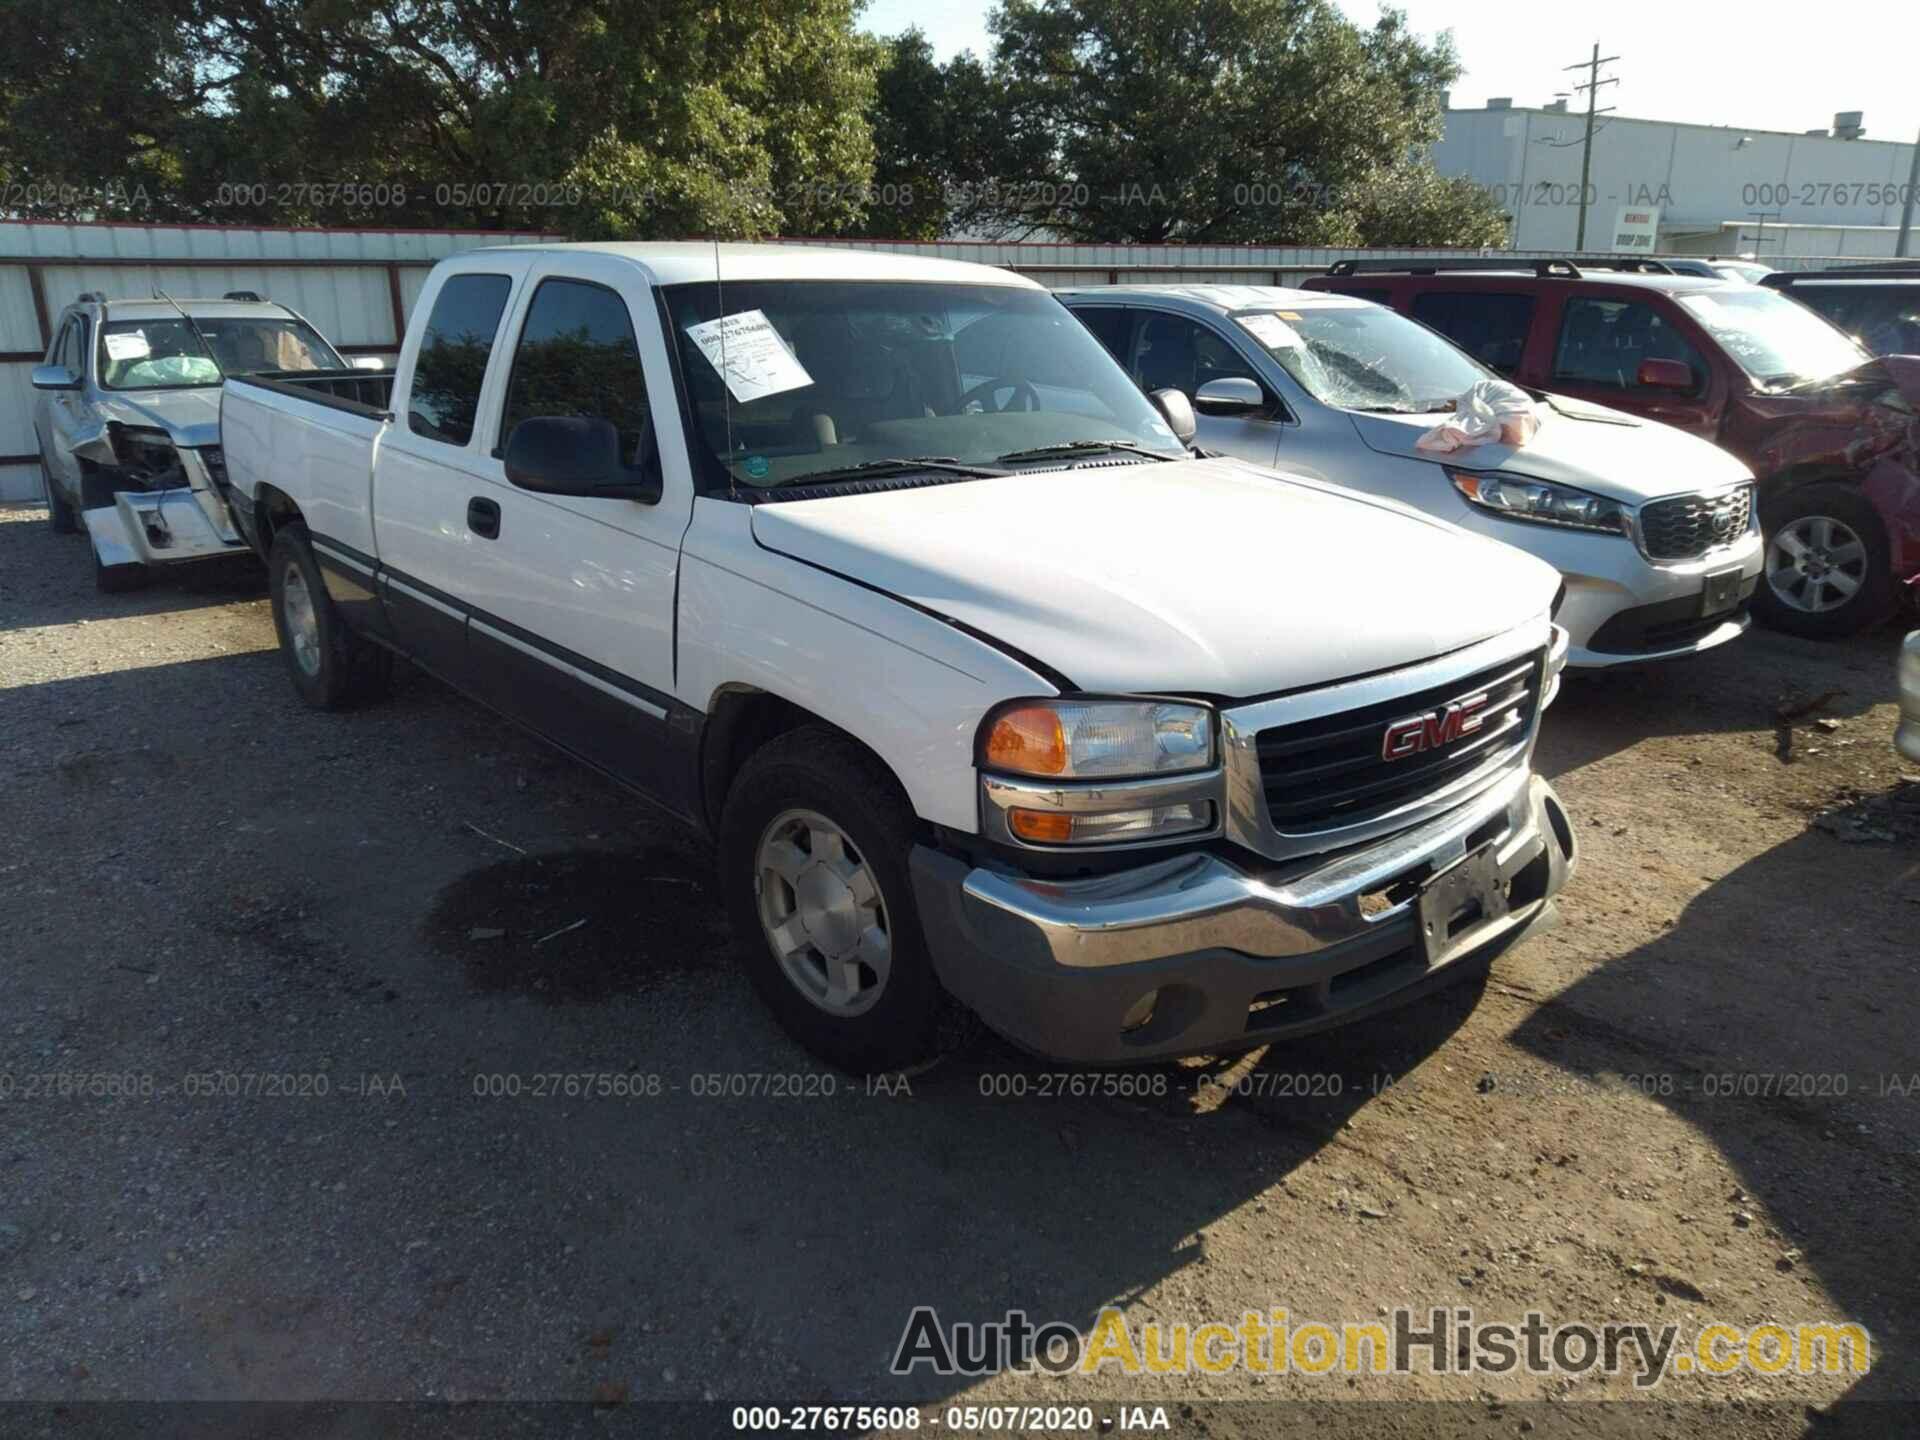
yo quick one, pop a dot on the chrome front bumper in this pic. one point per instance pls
(1234, 957)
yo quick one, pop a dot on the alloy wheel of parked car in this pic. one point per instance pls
(1827, 567)
(822, 912)
(1816, 563)
(813, 849)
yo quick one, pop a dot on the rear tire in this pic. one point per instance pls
(332, 668)
(1828, 566)
(813, 849)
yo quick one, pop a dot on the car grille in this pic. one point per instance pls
(1690, 525)
(1329, 772)
(216, 462)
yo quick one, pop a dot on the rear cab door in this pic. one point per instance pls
(433, 458)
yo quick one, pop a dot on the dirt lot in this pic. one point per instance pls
(204, 883)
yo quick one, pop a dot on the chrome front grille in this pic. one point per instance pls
(1333, 772)
(1688, 526)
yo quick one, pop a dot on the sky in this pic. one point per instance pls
(1756, 68)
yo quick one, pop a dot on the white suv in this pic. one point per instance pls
(1653, 530)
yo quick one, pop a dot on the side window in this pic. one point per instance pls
(577, 357)
(1176, 353)
(453, 357)
(57, 351)
(1602, 342)
(1109, 324)
(1491, 328)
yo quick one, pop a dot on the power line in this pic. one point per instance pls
(1592, 87)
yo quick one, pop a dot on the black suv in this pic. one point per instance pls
(1879, 305)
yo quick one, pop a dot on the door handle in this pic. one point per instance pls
(483, 518)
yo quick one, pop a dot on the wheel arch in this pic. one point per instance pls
(741, 720)
(272, 509)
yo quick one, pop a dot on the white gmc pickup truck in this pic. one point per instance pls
(987, 687)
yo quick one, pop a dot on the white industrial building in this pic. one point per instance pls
(1716, 189)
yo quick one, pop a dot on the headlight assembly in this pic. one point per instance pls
(1098, 739)
(1519, 497)
(1075, 771)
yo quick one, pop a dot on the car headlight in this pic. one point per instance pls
(1098, 772)
(1519, 497)
(1098, 739)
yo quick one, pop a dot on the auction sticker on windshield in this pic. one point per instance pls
(749, 353)
(128, 345)
(1271, 331)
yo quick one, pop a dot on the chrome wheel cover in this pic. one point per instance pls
(303, 624)
(823, 914)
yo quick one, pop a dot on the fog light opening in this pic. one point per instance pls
(1141, 1015)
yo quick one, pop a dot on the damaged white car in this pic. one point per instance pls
(127, 419)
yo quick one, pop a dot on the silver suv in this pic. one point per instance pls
(127, 419)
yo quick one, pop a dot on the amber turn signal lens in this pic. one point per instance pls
(1028, 740)
(1045, 826)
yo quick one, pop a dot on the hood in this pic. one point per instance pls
(191, 417)
(1587, 446)
(1199, 576)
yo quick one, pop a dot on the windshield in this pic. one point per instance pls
(1775, 340)
(167, 354)
(1365, 357)
(824, 376)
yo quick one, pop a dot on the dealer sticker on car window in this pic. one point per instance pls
(1271, 331)
(749, 353)
(128, 345)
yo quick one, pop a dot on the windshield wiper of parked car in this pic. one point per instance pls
(1077, 447)
(901, 465)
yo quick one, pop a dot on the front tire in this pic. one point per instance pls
(813, 849)
(331, 667)
(1828, 567)
(60, 514)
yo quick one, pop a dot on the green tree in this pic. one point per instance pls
(945, 144)
(1231, 121)
(600, 118)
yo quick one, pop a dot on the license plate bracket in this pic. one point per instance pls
(1721, 592)
(1460, 904)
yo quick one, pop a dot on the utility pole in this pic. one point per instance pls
(1906, 215)
(1592, 87)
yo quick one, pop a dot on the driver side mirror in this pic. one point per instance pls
(1178, 413)
(54, 377)
(1664, 375)
(579, 455)
(1230, 395)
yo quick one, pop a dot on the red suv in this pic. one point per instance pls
(1831, 433)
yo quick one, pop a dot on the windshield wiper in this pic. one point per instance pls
(903, 465)
(1076, 447)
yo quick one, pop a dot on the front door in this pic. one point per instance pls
(1598, 349)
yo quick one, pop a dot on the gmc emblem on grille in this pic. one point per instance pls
(1436, 728)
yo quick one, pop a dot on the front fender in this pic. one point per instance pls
(909, 686)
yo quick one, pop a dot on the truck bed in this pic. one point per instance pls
(312, 437)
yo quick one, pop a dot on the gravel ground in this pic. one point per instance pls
(206, 885)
